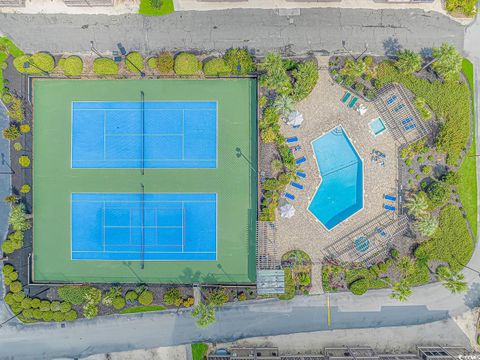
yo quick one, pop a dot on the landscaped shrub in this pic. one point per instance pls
(73, 294)
(71, 315)
(448, 62)
(152, 63)
(118, 302)
(35, 303)
(134, 62)
(90, 311)
(16, 287)
(131, 296)
(187, 64)
(289, 286)
(15, 110)
(275, 77)
(25, 189)
(55, 306)
(17, 146)
(112, 293)
(172, 297)
(466, 7)
(44, 305)
(216, 67)
(58, 316)
(427, 170)
(72, 65)
(11, 133)
(438, 193)
(188, 302)
(408, 61)
(9, 298)
(18, 220)
(242, 296)
(7, 98)
(422, 108)
(217, 297)
(39, 63)
(155, 7)
(24, 161)
(146, 297)
(303, 279)
(353, 69)
(359, 287)
(451, 178)
(105, 66)
(165, 63)
(25, 128)
(239, 61)
(452, 242)
(306, 77)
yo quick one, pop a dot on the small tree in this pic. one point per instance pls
(11, 133)
(353, 69)
(275, 76)
(417, 204)
(165, 63)
(408, 61)
(240, 61)
(447, 62)
(453, 281)
(401, 290)
(217, 297)
(426, 225)
(172, 297)
(18, 218)
(284, 105)
(205, 315)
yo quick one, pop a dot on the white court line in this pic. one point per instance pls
(144, 227)
(152, 109)
(151, 160)
(183, 134)
(183, 227)
(103, 230)
(156, 134)
(104, 135)
(151, 252)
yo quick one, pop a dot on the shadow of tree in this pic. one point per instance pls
(472, 297)
(391, 46)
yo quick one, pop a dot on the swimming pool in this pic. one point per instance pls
(377, 126)
(340, 193)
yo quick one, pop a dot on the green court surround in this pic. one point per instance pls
(234, 181)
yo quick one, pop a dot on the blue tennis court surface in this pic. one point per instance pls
(153, 134)
(144, 227)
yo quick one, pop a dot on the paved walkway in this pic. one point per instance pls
(317, 30)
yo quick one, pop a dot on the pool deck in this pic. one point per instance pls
(323, 111)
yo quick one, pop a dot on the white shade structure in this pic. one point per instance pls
(287, 211)
(294, 119)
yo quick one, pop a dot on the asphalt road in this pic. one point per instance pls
(260, 30)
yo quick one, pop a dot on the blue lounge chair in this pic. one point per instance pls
(296, 148)
(380, 231)
(301, 174)
(390, 197)
(346, 96)
(406, 121)
(301, 160)
(289, 196)
(389, 208)
(297, 185)
(399, 107)
(391, 99)
(292, 139)
(410, 127)
(353, 102)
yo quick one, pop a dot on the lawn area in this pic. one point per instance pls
(451, 242)
(467, 187)
(146, 8)
(139, 309)
(199, 351)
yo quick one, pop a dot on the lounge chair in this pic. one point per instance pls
(301, 174)
(390, 197)
(289, 196)
(353, 102)
(380, 231)
(292, 139)
(301, 160)
(296, 185)
(346, 96)
(296, 148)
(391, 99)
(389, 208)
(406, 121)
(410, 127)
(399, 107)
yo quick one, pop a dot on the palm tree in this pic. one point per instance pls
(417, 204)
(453, 281)
(408, 61)
(205, 315)
(401, 290)
(426, 225)
(284, 105)
(447, 61)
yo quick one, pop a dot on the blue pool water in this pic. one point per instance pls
(156, 226)
(377, 126)
(340, 194)
(157, 134)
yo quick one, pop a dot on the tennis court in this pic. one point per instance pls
(143, 226)
(153, 134)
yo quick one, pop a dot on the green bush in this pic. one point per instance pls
(359, 287)
(306, 77)
(24, 161)
(58, 316)
(438, 193)
(146, 297)
(216, 67)
(27, 313)
(26, 303)
(217, 297)
(9, 298)
(72, 65)
(90, 311)
(18, 296)
(427, 170)
(39, 63)
(422, 108)
(165, 63)
(304, 279)
(408, 61)
(394, 253)
(73, 294)
(187, 64)
(275, 77)
(7, 98)
(16, 287)
(239, 61)
(134, 62)
(289, 286)
(55, 306)
(45, 305)
(448, 62)
(152, 63)
(119, 302)
(47, 315)
(71, 315)
(65, 306)
(172, 297)
(15, 110)
(466, 7)
(155, 7)
(451, 243)
(408, 162)
(131, 296)
(11, 133)
(105, 66)
(35, 303)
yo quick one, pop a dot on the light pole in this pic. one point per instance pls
(350, 53)
(27, 65)
(240, 154)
